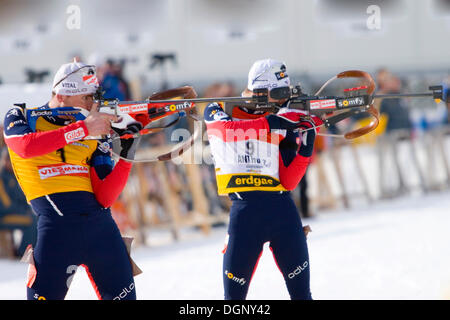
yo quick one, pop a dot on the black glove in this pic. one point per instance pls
(129, 146)
(280, 122)
(307, 138)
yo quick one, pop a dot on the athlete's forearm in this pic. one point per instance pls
(291, 175)
(108, 190)
(258, 124)
(33, 144)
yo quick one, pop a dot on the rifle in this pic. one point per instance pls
(331, 109)
(158, 106)
(355, 100)
(181, 102)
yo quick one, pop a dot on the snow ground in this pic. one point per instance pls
(396, 249)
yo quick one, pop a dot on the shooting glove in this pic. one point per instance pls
(307, 137)
(129, 146)
(281, 122)
(290, 119)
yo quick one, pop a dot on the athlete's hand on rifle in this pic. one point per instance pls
(129, 146)
(308, 131)
(98, 123)
(308, 125)
(291, 119)
(280, 122)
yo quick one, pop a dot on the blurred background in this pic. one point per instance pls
(141, 47)
(210, 40)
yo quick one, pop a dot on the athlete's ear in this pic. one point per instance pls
(60, 98)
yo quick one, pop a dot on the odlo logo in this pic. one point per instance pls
(125, 292)
(231, 276)
(298, 270)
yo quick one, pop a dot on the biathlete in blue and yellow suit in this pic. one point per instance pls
(258, 158)
(70, 183)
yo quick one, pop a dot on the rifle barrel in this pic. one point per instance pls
(198, 100)
(252, 99)
(401, 95)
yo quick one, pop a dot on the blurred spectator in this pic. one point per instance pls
(398, 128)
(217, 89)
(113, 82)
(110, 76)
(395, 109)
(220, 89)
